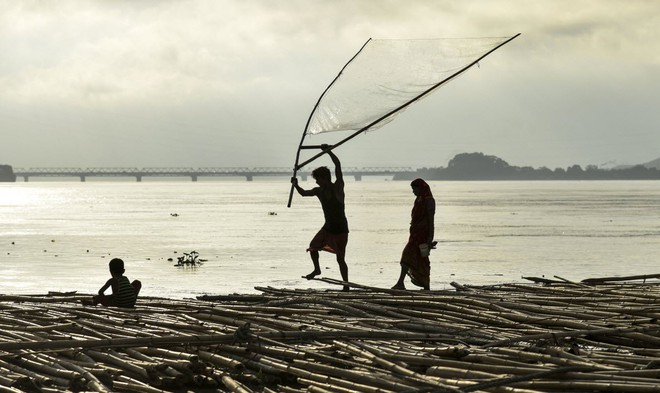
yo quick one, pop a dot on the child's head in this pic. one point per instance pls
(116, 267)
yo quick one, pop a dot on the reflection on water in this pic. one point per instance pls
(59, 236)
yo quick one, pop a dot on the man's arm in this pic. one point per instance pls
(301, 191)
(335, 160)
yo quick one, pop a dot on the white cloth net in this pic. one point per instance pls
(387, 74)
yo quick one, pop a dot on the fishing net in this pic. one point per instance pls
(387, 75)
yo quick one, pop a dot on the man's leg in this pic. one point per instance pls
(315, 260)
(343, 269)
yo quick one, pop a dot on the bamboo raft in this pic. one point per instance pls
(598, 335)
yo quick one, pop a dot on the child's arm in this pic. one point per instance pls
(107, 285)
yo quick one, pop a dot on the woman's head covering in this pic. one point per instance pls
(424, 188)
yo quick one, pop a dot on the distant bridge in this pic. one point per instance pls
(194, 173)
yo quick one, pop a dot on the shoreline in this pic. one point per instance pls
(561, 336)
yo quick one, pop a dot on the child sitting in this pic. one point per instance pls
(124, 293)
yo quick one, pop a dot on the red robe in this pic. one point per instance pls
(419, 267)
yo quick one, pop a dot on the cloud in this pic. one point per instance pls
(230, 78)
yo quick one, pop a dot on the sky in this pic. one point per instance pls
(231, 83)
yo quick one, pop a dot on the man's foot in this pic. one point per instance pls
(313, 274)
(346, 288)
(400, 287)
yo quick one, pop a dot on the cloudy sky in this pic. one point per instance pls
(218, 83)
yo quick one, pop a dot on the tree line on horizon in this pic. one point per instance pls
(478, 166)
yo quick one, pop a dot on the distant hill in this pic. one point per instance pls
(478, 166)
(653, 164)
(7, 173)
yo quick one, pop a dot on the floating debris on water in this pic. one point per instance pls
(189, 259)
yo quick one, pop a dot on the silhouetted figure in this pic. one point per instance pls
(124, 293)
(333, 236)
(414, 259)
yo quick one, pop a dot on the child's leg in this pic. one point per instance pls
(137, 285)
(104, 300)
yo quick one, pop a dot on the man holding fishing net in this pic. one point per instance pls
(333, 236)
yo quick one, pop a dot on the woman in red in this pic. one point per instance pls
(413, 262)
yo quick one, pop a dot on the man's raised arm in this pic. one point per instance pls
(335, 160)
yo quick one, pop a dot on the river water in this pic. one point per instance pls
(60, 235)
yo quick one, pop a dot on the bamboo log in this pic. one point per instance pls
(93, 383)
(29, 363)
(214, 339)
(317, 387)
(137, 371)
(312, 335)
(134, 387)
(590, 386)
(519, 378)
(493, 369)
(39, 378)
(325, 379)
(11, 380)
(550, 359)
(397, 369)
(603, 280)
(574, 333)
(5, 389)
(234, 386)
(220, 360)
(356, 376)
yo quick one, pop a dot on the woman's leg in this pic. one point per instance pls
(399, 284)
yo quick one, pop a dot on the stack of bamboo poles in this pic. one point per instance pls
(562, 336)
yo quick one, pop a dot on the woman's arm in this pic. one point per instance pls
(430, 216)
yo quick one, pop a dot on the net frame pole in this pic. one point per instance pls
(423, 94)
(296, 166)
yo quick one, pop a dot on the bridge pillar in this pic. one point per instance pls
(25, 178)
(138, 178)
(249, 177)
(358, 177)
(304, 177)
(194, 177)
(82, 179)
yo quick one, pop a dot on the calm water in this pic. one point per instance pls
(60, 236)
